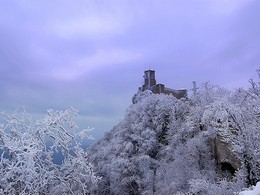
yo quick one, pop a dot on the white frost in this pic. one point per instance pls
(254, 191)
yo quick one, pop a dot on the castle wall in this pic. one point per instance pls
(150, 84)
(182, 93)
(159, 88)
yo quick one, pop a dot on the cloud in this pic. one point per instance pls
(101, 59)
(225, 7)
(92, 54)
(96, 27)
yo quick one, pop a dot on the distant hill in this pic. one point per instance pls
(208, 144)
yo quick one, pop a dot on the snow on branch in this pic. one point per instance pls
(27, 148)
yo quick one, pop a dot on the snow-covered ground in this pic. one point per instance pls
(254, 191)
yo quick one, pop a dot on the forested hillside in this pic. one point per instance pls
(207, 144)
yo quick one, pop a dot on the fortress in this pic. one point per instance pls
(150, 84)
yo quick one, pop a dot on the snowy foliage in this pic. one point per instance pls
(27, 149)
(168, 146)
(255, 190)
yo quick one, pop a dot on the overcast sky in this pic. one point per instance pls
(91, 54)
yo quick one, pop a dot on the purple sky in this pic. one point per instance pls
(91, 54)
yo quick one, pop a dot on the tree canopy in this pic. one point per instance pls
(208, 144)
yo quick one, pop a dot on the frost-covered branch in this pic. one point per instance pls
(27, 148)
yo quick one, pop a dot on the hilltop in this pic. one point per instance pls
(208, 144)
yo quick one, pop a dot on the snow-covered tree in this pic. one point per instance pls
(208, 144)
(27, 148)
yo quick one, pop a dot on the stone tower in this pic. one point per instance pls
(149, 79)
